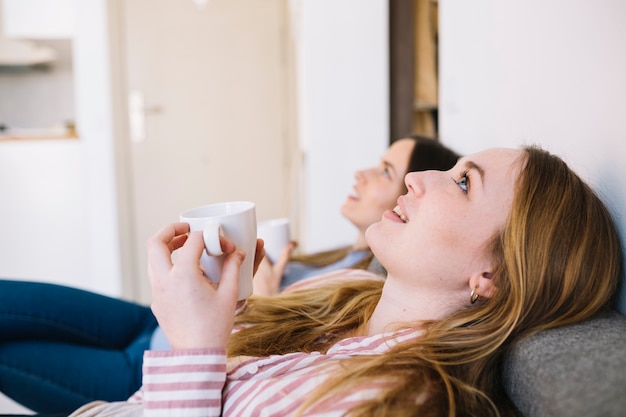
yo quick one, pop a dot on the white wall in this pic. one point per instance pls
(42, 210)
(59, 209)
(96, 120)
(342, 108)
(545, 72)
(53, 19)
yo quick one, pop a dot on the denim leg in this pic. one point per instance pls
(51, 377)
(61, 347)
(41, 311)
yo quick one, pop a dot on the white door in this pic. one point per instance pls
(213, 82)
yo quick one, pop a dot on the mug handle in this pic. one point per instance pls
(211, 234)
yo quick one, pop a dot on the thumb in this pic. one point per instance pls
(229, 282)
(281, 262)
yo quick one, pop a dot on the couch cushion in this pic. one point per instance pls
(577, 370)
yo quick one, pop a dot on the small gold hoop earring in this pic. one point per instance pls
(474, 296)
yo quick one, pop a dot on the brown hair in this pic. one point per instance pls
(560, 263)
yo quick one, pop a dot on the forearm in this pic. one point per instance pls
(186, 382)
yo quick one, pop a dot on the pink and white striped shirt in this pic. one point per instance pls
(204, 383)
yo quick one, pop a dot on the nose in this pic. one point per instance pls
(361, 174)
(414, 182)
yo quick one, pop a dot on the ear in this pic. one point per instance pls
(482, 284)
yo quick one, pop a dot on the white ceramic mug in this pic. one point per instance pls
(275, 234)
(236, 220)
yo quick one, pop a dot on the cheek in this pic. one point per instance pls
(467, 236)
(384, 197)
(450, 230)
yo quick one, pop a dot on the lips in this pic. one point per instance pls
(356, 195)
(398, 211)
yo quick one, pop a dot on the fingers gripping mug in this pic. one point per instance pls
(235, 220)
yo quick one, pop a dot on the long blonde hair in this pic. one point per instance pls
(560, 263)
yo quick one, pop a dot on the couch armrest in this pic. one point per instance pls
(577, 370)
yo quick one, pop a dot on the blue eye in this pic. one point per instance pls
(463, 182)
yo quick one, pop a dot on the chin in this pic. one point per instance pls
(370, 234)
(378, 238)
(345, 208)
(347, 212)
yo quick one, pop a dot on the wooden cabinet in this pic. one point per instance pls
(413, 37)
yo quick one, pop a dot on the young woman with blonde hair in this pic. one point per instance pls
(506, 244)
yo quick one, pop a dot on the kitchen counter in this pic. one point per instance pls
(38, 134)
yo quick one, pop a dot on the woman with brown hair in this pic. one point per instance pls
(506, 244)
(375, 191)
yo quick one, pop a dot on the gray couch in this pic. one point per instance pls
(574, 371)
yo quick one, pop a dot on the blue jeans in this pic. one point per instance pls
(62, 347)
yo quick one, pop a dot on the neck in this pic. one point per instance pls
(399, 304)
(360, 243)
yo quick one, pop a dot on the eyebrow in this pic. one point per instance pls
(389, 165)
(473, 165)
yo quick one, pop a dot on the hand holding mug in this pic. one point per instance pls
(268, 275)
(193, 311)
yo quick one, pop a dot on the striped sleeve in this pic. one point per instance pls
(183, 383)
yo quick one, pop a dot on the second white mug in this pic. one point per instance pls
(275, 234)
